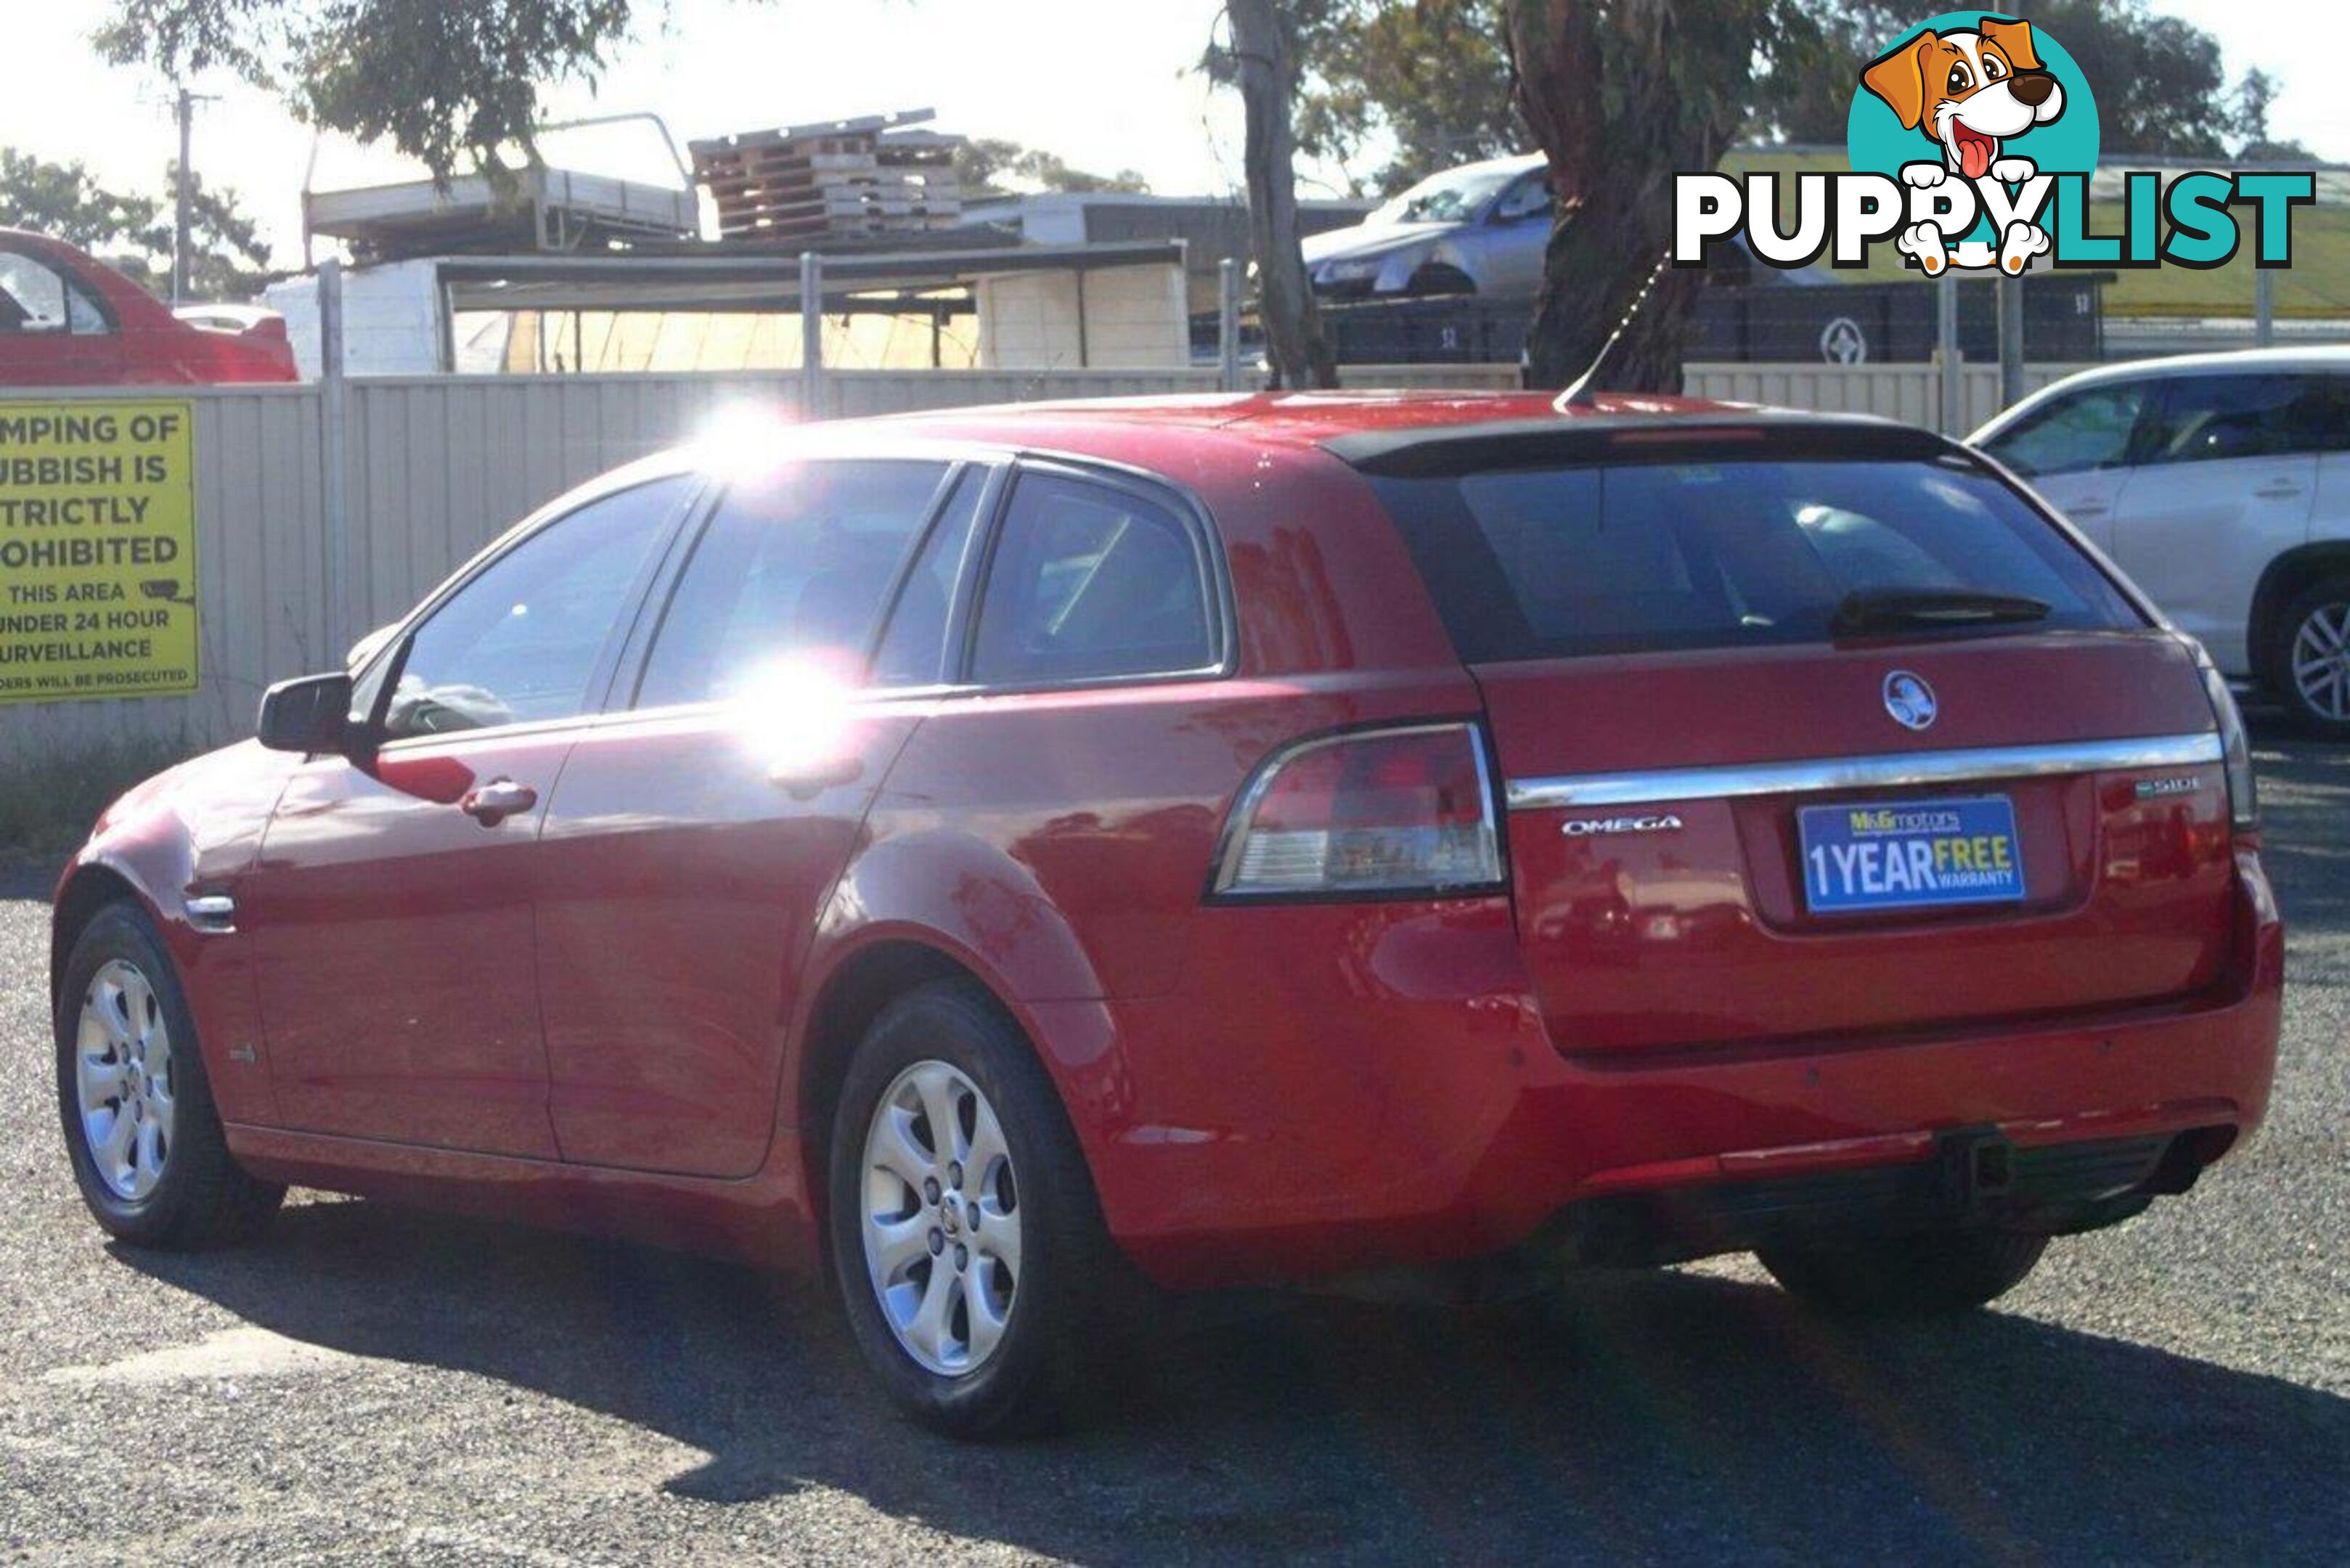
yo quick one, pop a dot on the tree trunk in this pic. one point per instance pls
(1601, 86)
(1266, 70)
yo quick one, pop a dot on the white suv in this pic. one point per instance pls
(2221, 483)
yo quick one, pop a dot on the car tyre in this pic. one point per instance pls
(2309, 658)
(128, 1056)
(1054, 1305)
(1907, 1275)
(1440, 279)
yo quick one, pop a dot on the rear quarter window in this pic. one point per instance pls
(1088, 581)
(1542, 562)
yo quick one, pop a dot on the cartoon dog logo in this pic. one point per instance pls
(1970, 92)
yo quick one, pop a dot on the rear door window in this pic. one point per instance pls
(2210, 418)
(1089, 581)
(1544, 563)
(796, 565)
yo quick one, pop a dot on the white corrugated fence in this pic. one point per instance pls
(437, 466)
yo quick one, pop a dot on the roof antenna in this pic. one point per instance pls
(1580, 394)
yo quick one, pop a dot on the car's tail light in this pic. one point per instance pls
(1373, 812)
(2235, 744)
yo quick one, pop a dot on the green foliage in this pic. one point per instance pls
(2253, 96)
(2159, 81)
(989, 166)
(227, 259)
(65, 202)
(442, 81)
(1430, 76)
(1434, 77)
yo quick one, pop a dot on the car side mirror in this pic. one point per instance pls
(311, 714)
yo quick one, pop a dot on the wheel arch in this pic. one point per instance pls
(863, 978)
(2285, 577)
(853, 995)
(90, 887)
(1443, 263)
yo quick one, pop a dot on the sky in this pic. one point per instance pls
(1107, 84)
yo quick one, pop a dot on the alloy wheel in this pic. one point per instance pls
(940, 1214)
(2321, 662)
(124, 1074)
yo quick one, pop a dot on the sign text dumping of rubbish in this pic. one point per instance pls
(97, 550)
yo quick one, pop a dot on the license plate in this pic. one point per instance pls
(1910, 855)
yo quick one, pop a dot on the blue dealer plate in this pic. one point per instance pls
(1910, 855)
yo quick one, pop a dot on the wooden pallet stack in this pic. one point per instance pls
(847, 178)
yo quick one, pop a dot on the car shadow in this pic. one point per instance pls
(21, 879)
(1644, 1415)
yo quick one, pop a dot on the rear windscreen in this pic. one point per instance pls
(1545, 562)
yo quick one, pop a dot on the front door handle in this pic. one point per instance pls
(2278, 489)
(497, 800)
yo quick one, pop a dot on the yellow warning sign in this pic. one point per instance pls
(97, 550)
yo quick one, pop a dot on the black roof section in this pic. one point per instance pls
(1434, 450)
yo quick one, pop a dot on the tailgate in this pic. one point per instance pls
(2056, 838)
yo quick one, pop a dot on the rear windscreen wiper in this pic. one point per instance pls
(1891, 609)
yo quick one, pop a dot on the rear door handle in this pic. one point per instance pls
(2281, 490)
(497, 800)
(2084, 509)
(806, 781)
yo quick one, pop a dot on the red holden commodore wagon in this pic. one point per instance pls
(1013, 858)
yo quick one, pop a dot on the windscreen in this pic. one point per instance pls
(1543, 563)
(1450, 197)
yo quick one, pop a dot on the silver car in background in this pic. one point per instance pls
(2221, 483)
(1478, 229)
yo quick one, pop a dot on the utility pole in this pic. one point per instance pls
(180, 198)
(2011, 341)
(183, 194)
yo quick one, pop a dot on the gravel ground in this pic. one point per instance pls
(384, 1385)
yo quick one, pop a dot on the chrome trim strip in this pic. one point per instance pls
(1905, 770)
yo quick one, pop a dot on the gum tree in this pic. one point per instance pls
(1262, 60)
(1620, 95)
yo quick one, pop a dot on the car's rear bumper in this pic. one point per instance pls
(1404, 1103)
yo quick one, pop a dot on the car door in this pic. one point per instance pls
(1094, 740)
(2076, 448)
(1514, 237)
(694, 839)
(2329, 517)
(53, 331)
(393, 903)
(2222, 484)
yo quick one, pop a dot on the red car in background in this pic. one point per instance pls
(1003, 854)
(69, 320)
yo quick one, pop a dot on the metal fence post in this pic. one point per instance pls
(334, 468)
(1946, 344)
(811, 388)
(2011, 341)
(1227, 325)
